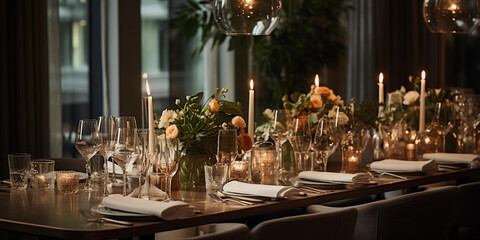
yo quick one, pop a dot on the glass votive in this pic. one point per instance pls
(239, 171)
(43, 174)
(157, 186)
(410, 151)
(264, 166)
(67, 181)
(18, 165)
(353, 158)
(216, 176)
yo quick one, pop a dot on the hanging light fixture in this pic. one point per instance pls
(247, 17)
(451, 16)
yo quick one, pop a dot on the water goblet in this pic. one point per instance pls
(122, 122)
(106, 128)
(87, 143)
(324, 141)
(171, 159)
(125, 151)
(300, 138)
(278, 131)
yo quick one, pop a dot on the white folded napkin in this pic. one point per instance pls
(156, 193)
(452, 158)
(391, 165)
(260, 190)
(165, 210)
(335, 177)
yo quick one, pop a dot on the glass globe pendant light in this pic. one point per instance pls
(451, 16)
(247, 17)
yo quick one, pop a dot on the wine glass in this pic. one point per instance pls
(122, 122)
(87, 143)
(227, 145)
(125, 151)
(171, 157)
(325, 139)
(278, 131)
(300, 138)
(106, 128)
(145, 153)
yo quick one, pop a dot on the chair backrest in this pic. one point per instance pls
(470, 207)
(75, 164)
(231, 231)
(338, 224)
(430, 214)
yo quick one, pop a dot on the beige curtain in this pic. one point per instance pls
(24, 79)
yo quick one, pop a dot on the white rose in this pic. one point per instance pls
(268, 113)
(167, 117)
(410, 97)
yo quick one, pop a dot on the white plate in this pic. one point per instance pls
(115, 213)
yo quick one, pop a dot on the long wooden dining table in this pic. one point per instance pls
(52, 214)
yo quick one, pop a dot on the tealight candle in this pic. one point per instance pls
(410, 151)
(239, 171)
(67, 181)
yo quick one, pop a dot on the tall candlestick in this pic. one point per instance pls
(317, 80)
(421, 124)
(151, 127)
(380, 95)
(251, 100)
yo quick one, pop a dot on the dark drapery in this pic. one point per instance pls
(24, 81)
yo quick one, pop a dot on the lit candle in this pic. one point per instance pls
(410, 151)
(380, 94)
(317, 81)
(239, 171)
(151, 127)
(251, 100)
(421, 124)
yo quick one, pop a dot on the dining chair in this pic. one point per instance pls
(75, 164)
(231, 231)
(332, 225)
(430, 214)
(469, 220)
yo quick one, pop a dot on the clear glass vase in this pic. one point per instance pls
(247, 17)
(192, 166)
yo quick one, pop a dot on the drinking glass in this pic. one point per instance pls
(87, 143)
(122, 122)
(215, 177)
(144, 156)
(125, 151)
(106, 128)
(227, 145)
(325, 139)
(278, 131)
(300, 138)
(18, 166)
(170, 161)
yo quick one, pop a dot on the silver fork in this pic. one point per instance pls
(91, 217)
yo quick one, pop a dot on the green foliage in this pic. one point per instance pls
(366, 115)
(307, 38)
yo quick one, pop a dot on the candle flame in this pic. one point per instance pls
(317, 80)
(144, 75)
(380, 78)
(251, 84)
(147, 87)
(423, 74)
(453, 7)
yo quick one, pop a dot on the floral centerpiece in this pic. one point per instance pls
(196, 125)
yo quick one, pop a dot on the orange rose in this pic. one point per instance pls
(316, 101)
(238, 122)
(171, 131)
(324, 91)
(214, 106)
(244, 141)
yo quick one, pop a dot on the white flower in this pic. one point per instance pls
(410, 97)
(168, 116)
(268, 113)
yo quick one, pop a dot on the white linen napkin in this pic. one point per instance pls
(156, 193)
(260, 190)
(452, 158)
(391, 165)
(334, 177)
(165, 210)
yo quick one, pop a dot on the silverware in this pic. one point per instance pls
(311, 189)
(91, 217)
(217, 198)
(248, 199)
(380, 174)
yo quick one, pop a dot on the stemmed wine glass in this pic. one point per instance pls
(325, 139)
(106, 128)
(125, 151)
(278, 131)
(227, 145)
(87, 143)
(300, 138)
(122, 122)
(143, 160)
(171, 157)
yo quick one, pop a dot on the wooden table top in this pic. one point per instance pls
(50, 213)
